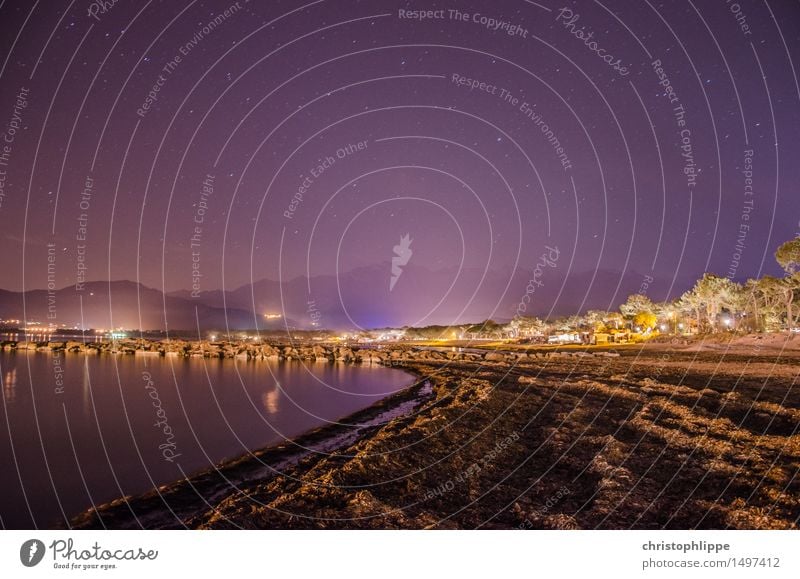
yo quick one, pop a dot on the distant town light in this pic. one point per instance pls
(272, 316)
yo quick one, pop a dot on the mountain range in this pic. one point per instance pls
(358, 298)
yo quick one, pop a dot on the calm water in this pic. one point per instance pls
(79, 430)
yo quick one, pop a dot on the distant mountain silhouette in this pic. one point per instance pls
(120, 304)
(363, 298)
(358, 298)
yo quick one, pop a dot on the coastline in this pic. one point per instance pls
(173, 504)
(657, 437)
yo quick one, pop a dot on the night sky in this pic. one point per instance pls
(150, 141)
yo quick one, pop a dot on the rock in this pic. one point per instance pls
(268, 352)
(344, 355)
(494, 357)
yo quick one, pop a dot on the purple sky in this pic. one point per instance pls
(557, 147)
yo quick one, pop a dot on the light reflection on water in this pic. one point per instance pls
(109, 426)
(271, 399)
(10, 386)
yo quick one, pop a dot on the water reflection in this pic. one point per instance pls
(217, 410)
(87, 386)
(10, 386)
(271, 399)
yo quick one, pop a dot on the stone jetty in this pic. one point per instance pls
(377, 354)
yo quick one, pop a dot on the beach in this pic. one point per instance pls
(696, 435)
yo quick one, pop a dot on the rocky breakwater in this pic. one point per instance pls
(386, 355)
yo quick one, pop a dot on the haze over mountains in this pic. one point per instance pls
(358, 298)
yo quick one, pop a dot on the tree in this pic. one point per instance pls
(636, 303)
(751, 294)
(669, 313)
(791, 284)
(575, 322)
(709, 296)
(488, 328)
(645, 320)
(527, 326)
(788, 257)
(614, 320)
(771, 295)
(595, 319)
(738, 301)
(693, 303)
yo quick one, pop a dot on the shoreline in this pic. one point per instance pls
(372, 352)
(655, 438)
(189, 495)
